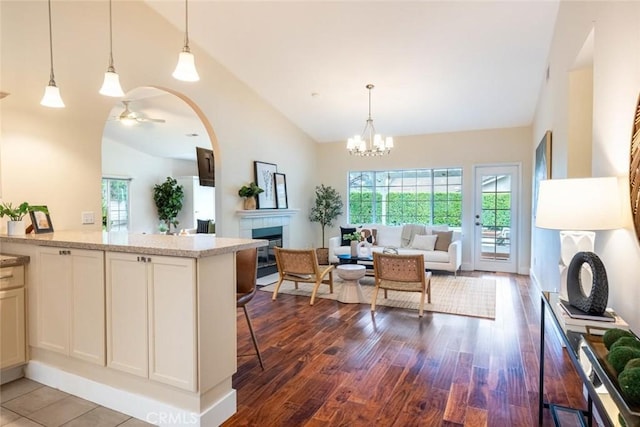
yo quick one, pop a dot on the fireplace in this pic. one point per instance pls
(266, 254)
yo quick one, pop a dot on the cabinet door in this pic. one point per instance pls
(87, 302)
(54, 296)
(172, 322)
(127, 343)
(12, 332)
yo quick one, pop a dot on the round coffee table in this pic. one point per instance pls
(350, 275)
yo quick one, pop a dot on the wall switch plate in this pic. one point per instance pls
(88, 218)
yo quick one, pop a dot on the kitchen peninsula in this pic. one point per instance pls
(143, 324)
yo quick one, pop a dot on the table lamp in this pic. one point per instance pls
(577, 207)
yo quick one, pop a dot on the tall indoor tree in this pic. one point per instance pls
(328, 206)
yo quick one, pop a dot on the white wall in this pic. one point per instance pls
(145, 171)
(616, 82)
(53, 157)
(460, 149)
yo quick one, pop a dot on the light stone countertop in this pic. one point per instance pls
(189, 246)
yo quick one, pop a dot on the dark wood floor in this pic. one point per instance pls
(334, 364)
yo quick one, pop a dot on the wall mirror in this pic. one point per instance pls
(149, 135)
(634, 171)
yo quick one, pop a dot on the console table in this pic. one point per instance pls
(601, 393)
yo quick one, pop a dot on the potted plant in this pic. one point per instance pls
(15, 226)
(328, 206)
(168, 197)
(249, 192)
(355, 238)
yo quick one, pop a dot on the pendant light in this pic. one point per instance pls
(51, 96)
(186, 68)
(111, 85)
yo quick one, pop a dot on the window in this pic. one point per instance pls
(426, 196)
(115, 204)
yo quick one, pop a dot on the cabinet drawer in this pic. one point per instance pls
(11, 277)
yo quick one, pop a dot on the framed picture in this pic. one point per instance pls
(41, 222)
(265, 180)
(281, 190)
(542, 167)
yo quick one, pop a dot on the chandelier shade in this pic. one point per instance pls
(186, 68)
(369, 143)
(51, 96)
(111, 84)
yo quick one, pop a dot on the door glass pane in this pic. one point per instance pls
(496, 217)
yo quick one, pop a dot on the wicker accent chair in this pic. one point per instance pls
(246, 272)
(301, 265)
(400, 273)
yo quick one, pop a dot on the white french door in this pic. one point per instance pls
(496, 218)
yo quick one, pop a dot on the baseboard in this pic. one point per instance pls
(11, 374)
(134, 405)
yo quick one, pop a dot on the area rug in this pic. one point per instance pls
(465, 296)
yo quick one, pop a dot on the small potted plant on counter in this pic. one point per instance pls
(249, 192)
(15, 226)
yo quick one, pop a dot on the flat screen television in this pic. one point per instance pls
(205, 167)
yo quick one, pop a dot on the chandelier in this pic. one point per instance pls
(369, 143)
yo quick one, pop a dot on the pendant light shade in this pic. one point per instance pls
(186, 68)
(51, 96)
(111, 85)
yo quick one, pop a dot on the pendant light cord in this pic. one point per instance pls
(52, 81)
(111, 68)
(186, 26)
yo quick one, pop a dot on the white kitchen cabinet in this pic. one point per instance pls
(198, 203)
(151, 317)
(12, 326)
(70, 290)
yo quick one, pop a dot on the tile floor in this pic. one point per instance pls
(26, 403)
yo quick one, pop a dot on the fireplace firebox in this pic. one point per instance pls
(266, 254)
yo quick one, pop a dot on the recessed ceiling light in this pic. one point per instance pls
(191, 135)
(315, 94)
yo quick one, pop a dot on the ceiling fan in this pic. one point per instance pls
(130, 118)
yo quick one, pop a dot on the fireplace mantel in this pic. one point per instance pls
(266, 213)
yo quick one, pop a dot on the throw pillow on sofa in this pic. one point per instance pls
(346, 230)
(389, 236)
(443, 241)
(425, 242)
(369, 234)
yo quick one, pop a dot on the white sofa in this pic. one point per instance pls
(402, 239)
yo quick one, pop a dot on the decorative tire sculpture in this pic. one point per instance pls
(596, 302)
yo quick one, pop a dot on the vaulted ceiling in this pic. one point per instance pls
(437, 66)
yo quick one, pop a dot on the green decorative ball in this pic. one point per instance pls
(629, 381)
(619, 356)
(612, 336)
(626, 342)
(633, 363)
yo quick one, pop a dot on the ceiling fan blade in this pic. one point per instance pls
(146, 119)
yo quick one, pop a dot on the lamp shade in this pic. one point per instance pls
(186, 68)
(579, 204)
(111, 85)
(52, 97)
